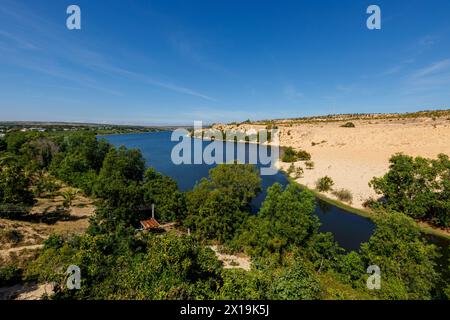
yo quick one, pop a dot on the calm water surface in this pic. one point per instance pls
(348, 229)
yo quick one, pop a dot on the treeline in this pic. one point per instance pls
(418, 187)
(291, 259)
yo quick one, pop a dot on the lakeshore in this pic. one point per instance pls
(353, 156)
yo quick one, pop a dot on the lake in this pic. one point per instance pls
(349, 230)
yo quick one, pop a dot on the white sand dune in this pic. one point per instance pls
(353, 156)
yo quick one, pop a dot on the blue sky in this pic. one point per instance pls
(172, 62)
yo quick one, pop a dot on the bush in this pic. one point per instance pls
(303, 155)
(324, 184)
(9, 275)
(296, 282)
(298, 173)
(290, 155)
(309, 165)
(348, 125)
(291, 169)
(370, 203)
(344, 195)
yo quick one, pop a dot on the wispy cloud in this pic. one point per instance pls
(433, 69)
(19, 42)
(291, 92)
(66, 60)
(433, 78)
(121, 72)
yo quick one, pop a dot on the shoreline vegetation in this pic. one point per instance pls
(282, 252)
(367, 213)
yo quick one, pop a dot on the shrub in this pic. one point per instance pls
(291, 169)
(298, 173)
(9, 275)
(309, 165)
(344, 195)
(69, 196)
(348, 125)
(289, 155)
(303, 155)
(324, 184)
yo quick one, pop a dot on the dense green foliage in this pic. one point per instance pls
(14, 184)
(217, 206)
(121, 266)
(407, 262)
(418, 187)
(285, 219)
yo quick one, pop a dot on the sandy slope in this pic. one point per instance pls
(353, 156)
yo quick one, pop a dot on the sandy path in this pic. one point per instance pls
(232, 261)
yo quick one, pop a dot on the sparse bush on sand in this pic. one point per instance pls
(290, 155)
(348, 125)
(343, 195)
(291, 169)
(309, 165)
(298, 173)
(324, 184)
(303, 155)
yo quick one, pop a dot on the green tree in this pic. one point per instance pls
(418, 187)
(406, 261)
(285, 219)
(120, 178)
(217, 206)
(14, 184)
(162, 191)
(295, 282)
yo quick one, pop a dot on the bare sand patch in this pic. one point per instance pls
(232, 261)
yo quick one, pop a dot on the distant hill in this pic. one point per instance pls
(356, 116)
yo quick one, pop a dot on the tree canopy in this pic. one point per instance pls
(418, 187)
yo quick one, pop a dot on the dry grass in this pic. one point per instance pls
(17, 238)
